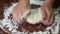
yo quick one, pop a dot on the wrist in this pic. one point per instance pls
(49, 2)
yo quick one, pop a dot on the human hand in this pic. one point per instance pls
(48, 14)
(19, 13)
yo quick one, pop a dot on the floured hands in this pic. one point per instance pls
(24, 5)
(17, 13)
(48, 15)
(20, 9)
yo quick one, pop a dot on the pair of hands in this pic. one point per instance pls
(47, 12)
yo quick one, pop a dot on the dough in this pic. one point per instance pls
(35, 16)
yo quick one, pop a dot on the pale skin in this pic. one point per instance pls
(50, 12)
(24, 5)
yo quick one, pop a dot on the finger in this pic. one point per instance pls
(14, 17)
(44, 14)
(49, 13)
(52, 19)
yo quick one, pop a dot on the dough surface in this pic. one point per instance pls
(35, 16)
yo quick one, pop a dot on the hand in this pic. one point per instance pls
(20, 11)
(17, 14)
(48, 14)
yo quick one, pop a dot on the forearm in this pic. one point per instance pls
(49, 2)
(24, 3)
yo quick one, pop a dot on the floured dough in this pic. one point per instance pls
(35, 16)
